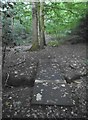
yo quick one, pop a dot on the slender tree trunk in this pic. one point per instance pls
(39, 26)
(12, 27)
(43, 28)
(3, 55)
(35, 45)
(42, 38)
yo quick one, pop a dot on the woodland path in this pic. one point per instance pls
(46, 72)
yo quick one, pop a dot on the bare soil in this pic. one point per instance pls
(21, 64)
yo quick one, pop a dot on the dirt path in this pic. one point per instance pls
(17, 99)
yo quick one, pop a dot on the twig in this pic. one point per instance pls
(7, 79)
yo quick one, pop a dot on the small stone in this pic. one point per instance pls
(42, 90)
(22, 74)
(53, 75)
(15, 72)
(15, 113)
(55, 88)
(10, 98)
(28, 115)
(10, 106)
(31, 67)
(63, 85)
(38, 97)
(16, 76)
(72, 112)
(48, 56)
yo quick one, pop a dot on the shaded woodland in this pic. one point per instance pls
(44, 43)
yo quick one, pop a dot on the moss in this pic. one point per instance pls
(55, 43)
(34, 47)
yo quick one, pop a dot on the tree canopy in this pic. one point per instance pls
(60, 18)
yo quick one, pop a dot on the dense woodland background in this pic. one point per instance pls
(43, 41)
(20, 21)
(26, 23)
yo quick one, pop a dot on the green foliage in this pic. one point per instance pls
(54, 43)
(7, 31)
(63, 17)
(23, 13)
(22, 23)
(60, 19)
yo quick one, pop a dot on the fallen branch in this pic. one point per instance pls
(7, 79)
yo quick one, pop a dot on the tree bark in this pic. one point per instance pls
(35, 45)
(41, 26)
(3, 55)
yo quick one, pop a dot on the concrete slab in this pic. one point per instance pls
(49, 70)
(48, 93)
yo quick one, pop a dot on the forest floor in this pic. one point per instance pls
(24, 66)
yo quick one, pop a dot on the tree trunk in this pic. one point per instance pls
(3, 55)
(41, 26)
(35, 45)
